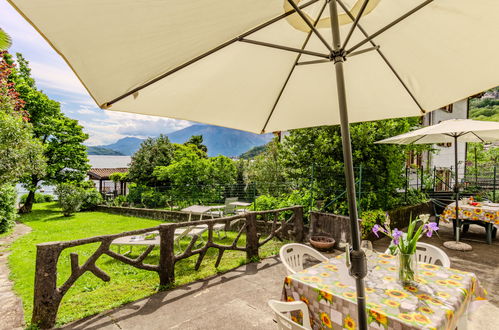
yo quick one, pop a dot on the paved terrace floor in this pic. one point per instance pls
(238, 299)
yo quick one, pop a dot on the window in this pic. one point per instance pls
(447, 108)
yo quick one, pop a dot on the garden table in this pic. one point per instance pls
(441, 296)
(486, 214)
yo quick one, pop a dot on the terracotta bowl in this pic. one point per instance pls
(322, 243)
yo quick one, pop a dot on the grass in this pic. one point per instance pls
(89, 295)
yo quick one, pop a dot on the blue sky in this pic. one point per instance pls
(57, 80)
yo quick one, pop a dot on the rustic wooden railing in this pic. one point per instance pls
(48, 296)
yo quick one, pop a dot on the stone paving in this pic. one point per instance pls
(11, 309)
(238, 299)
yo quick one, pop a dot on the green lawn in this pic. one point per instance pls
(90, 295)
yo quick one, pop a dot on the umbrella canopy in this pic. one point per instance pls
(267, 65)
(453, 130)
(195, 59)
(466, 130)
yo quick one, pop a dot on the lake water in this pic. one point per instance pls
(99, 161)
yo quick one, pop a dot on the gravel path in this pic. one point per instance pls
(11, 307)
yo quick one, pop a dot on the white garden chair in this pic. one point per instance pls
(429, 254)
(281, 311)
(292, 256)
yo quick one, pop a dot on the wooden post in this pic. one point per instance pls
(251, 236)
(166, 254)
(298, 225)
(46, 298)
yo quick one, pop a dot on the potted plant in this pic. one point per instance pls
(404, 244)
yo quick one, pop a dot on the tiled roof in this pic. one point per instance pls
(104, 173)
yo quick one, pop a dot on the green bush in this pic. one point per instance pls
(369, 219)
(70, 198)
(135, 192)
(8, 211)
(119, 201)
(265, 202)
(153, 199)
(91, 198)
(39, 198)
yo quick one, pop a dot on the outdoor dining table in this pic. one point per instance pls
(437, 301)
(484, 212)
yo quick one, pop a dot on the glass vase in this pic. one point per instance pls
(407, 268)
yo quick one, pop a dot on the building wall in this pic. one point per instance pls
(444, 156)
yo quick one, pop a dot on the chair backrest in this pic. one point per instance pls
(229, 209)
(430, 254)
(292, 256)
(281, 311)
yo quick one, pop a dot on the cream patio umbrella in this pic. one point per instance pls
(454, 131)
(272, 65)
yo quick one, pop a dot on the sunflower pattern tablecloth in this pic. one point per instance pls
(441, 296)
(483, 212)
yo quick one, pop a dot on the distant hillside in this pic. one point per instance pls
(219, 140)
(93, 150)
(126, 146)
(253, 152)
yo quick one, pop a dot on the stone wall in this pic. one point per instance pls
(176, 216)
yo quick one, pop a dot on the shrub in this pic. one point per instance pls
(153, 199)
(91, 198)
(8, 211)
(135, 193)
(119, 201)
(369, 219)
(70, 198)
(39, 198)
(265, 202)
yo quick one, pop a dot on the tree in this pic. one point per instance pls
(313, 157)
(197, 140)
(19, 152)
(5, 41)
(267, 171)
(61, 137)
(193, 176)
(152, 153)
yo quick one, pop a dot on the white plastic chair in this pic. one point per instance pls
(292, 256)
(429, 254)
(281, 311)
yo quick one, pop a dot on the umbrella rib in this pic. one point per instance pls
(313, 62)
(477, 136)
(364, 32)
(355, 22)
(383, 29)
(293, 68)
(310, 25)
(286, 48)
(211, 51)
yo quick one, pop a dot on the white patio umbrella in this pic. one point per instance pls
(272, 65)
(453, 130)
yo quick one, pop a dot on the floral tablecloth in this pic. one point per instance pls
(483, 212)
(441, 296)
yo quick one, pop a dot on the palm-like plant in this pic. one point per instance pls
(5, 41)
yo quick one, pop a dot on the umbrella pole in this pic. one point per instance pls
(358, 267)
(456, 245)
(456, 191)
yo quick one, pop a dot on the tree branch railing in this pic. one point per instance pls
(48, 296)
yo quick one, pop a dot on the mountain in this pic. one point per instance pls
(253, 152)
(93, 150)
(219, 140)
(126, 146)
